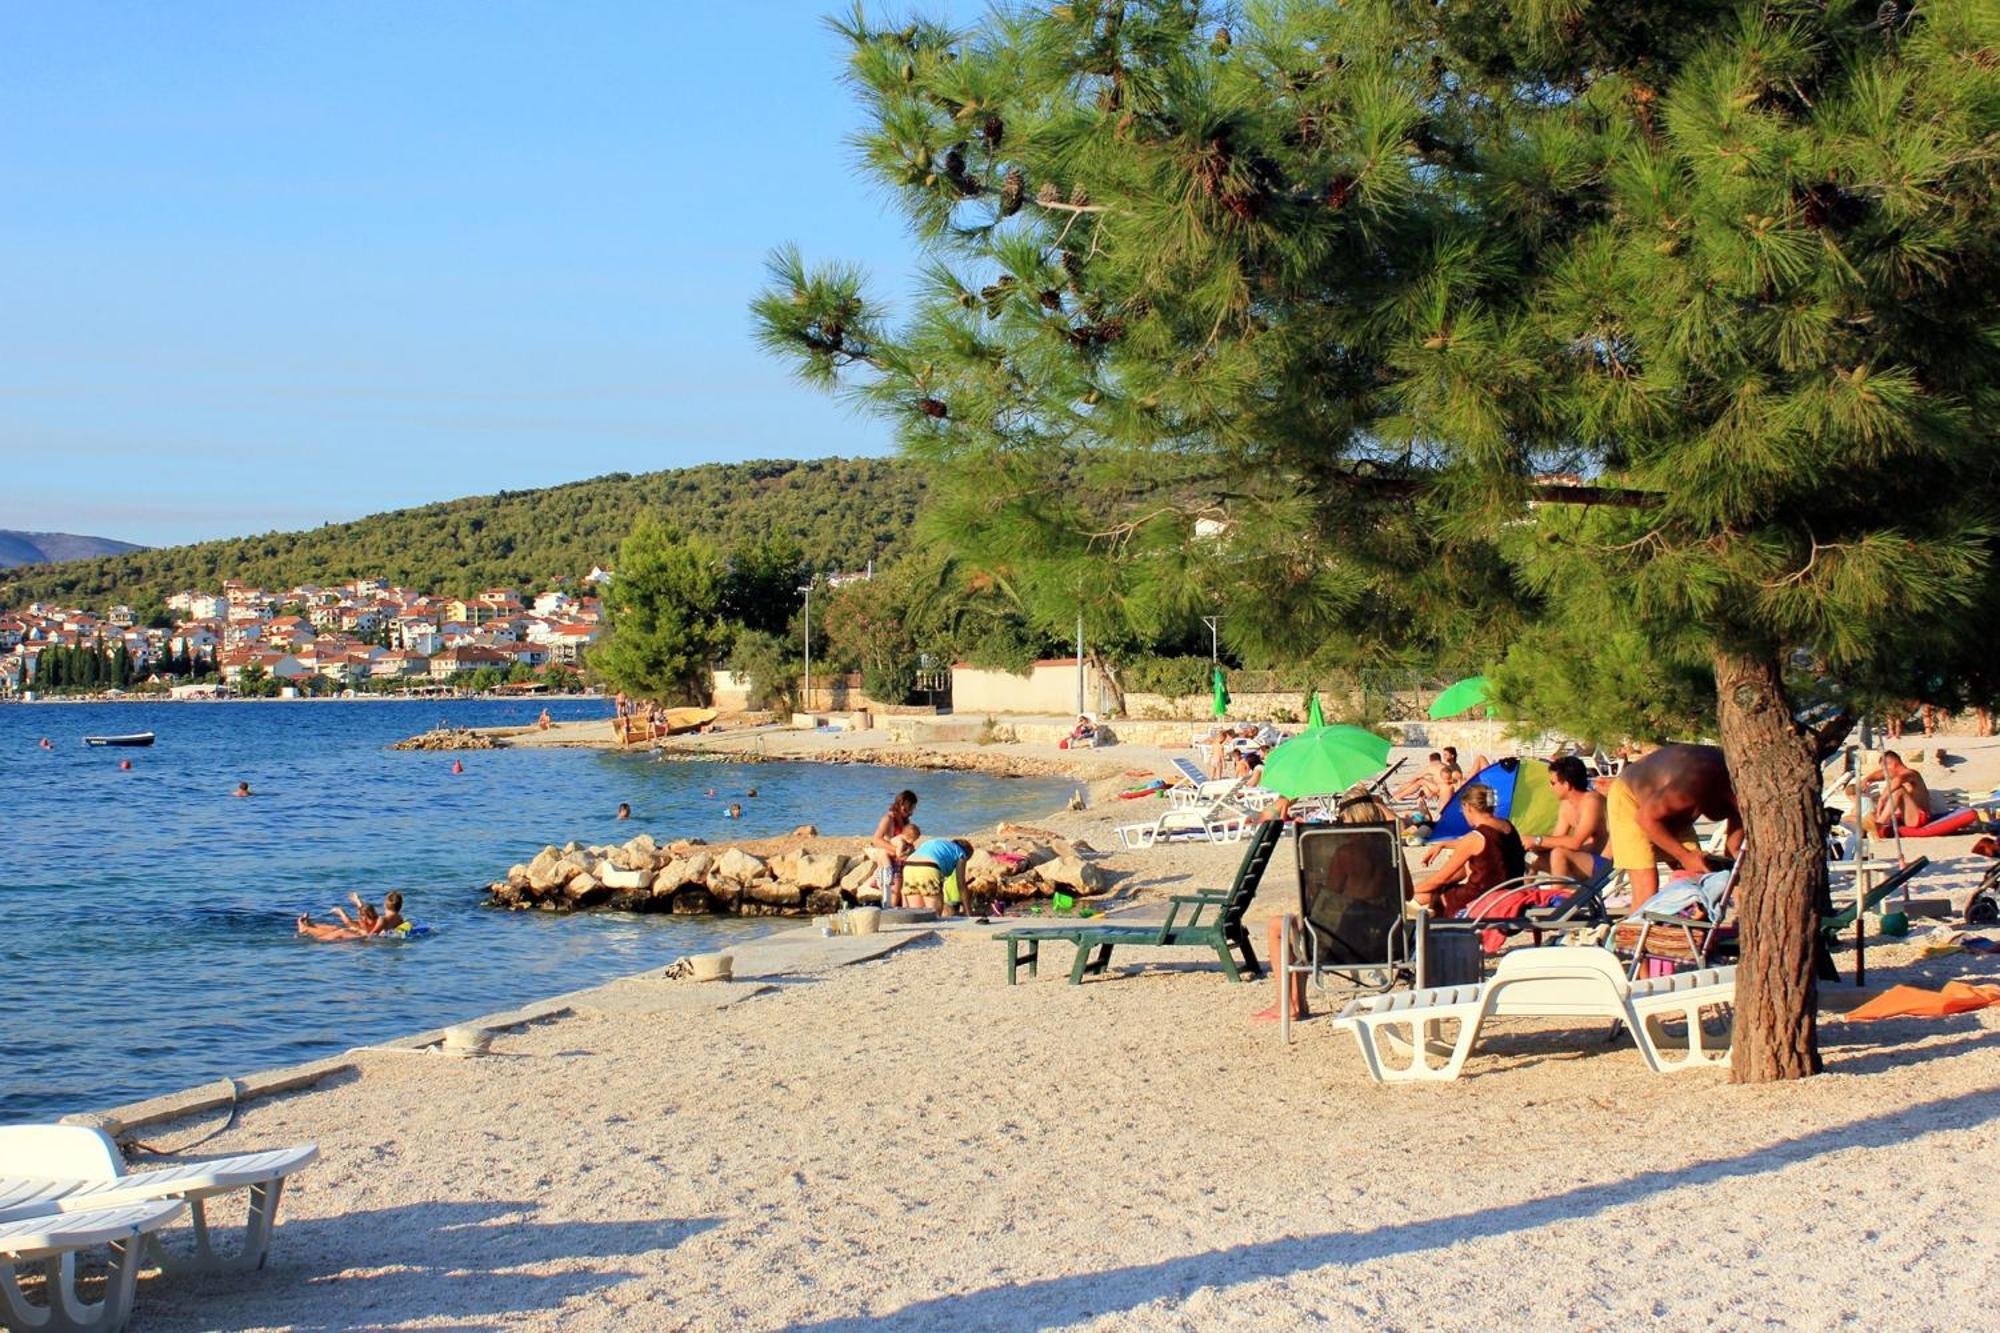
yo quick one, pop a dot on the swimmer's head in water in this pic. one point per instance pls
(242, 789)
(624, 810)
(393, 901)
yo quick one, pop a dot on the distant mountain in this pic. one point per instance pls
(46, 548)
(841, 512)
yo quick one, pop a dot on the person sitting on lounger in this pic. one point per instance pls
(1487, 854)
(1652, 808)
(1574, 848)
(1427, 784)
(1905, 799)
(1082, 734)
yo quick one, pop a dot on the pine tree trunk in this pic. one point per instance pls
(1774, 769)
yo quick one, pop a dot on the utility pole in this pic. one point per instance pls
(1080, 709)
(805, 700)
(1214, 624)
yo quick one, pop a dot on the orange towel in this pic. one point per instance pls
(1957, 997)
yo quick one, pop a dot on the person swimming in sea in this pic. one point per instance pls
(624, 810)
(242, 789)
(751, 792)
(364, 923)
(47, 746)
(734, 811)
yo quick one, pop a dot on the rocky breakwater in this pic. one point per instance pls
(449, 738)
(801, 874)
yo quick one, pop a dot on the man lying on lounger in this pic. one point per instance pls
(1652, 807)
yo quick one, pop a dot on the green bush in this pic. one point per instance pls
(1171, 676)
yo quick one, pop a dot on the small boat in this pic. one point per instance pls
(678, 720)
(136, 738)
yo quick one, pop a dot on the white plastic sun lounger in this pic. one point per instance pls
(1554, 981)
(1217, 821)
(47, 1169)
(52, 1241)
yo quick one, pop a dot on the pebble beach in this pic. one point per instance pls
(905, 1141)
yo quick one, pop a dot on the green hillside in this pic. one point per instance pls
(841, 512)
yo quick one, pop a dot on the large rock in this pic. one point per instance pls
(805, 831)
(585, 891)
(682, 846)
(821, 902)
(724, 892)
(785, 865)
(614, 877)
(819, 870)
(642, 846)
(547, 872)
(683, 871)
(1067, 872)
(982, 867)
(634, 900)
(860, 873)
(772, 893)
(739, 865)
(692, 902)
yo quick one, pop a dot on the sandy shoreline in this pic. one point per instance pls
(910, 1141)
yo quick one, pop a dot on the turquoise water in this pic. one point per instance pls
(146, 916)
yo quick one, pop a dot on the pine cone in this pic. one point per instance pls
(1079, 196)
(1012, 186)
(1048, 194)
(993, 130)
(1337, 191)
(1221, 42)
(931, 407)
(954, 162)
(1051, 300)
(1072, 267)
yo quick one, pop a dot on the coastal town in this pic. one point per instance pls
(366, 635)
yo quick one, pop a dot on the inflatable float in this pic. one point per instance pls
(1943, 825)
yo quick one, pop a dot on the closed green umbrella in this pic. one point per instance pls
(1314, 718)
(1318, 763)
(1466, 695)
(1221, 695)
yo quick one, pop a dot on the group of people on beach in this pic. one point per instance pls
(1635, 822)
(912, 870)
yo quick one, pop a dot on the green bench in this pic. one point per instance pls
(1211, 919)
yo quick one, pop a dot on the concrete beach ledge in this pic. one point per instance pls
(788, 953)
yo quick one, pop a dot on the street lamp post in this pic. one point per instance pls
(1214, 639)
(805, 700)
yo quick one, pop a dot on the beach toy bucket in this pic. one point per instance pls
(864, 920)
(466, 1040)
(713, 966)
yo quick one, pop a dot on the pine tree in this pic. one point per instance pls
(665, 632)
(1301, 321)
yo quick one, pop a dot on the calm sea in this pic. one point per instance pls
(146, 938)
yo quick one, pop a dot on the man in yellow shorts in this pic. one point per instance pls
(1652, 807)
(931, 874)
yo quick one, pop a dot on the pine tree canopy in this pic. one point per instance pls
(1344, 279)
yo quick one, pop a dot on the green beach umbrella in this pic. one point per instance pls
(1318, 763)
(1314, 718)
(1221, 695)
(1463, 697)
(1359, 739)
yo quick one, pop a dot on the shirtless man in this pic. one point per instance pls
(1904, 802)
(1652, 808)
(1574, 848)
(1429, 785)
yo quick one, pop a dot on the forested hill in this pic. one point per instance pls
(841, 512)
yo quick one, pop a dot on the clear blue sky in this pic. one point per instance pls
(264, 265)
